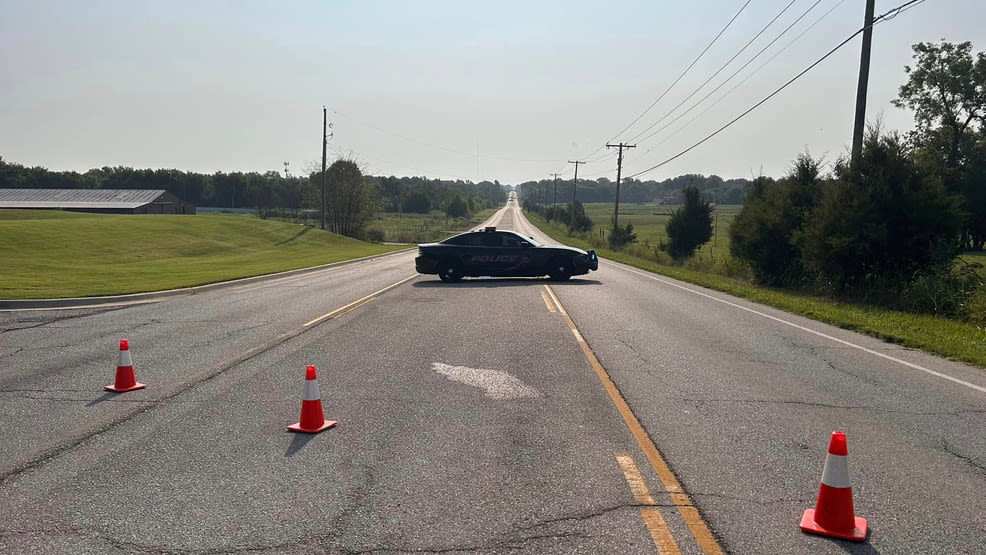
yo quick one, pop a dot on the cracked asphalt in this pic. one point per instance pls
(740, 407)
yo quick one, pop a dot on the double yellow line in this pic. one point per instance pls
(358, 302)
(655, 524)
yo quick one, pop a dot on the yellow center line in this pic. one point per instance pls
(651, 516)
(638, 487)
(358, 302)
(555, 299)
(547, 302)
(689, 513)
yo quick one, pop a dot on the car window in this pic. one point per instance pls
(511, 241)
(467, 239)
(492, 240)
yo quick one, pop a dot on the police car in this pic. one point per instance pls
(493, 252)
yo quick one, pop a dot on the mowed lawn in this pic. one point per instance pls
(65, 254)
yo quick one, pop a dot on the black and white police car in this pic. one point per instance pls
(501, 253)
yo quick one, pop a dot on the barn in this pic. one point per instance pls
(103, 201)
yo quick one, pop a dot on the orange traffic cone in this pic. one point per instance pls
(312, 418)
(125, 378)
(833, 514)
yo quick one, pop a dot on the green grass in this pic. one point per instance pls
(424, 228)
(649, 221)
(65, 254)
(948, 338)
(976, 258)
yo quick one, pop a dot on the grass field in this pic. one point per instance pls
(424, 228)
(649, 221)
(949, 338)
(66, 254)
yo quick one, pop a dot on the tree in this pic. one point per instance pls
(882, 223)
(577, 218)
(621, 236)
(418, 203)
(457, 208)
(690, 226)
(946, 88)
(762, 233)
(349, 198)
(392, 191)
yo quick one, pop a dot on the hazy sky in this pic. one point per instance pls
(458, 89)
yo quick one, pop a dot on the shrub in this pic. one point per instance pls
(621, 235)
(762, 235)
(690, 226)
(580, 223)
(882, 221)
(375, 235)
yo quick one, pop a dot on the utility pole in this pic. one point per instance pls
(575, 183)
(619, 169)
(325, 140)
(864, 76)
(554, 202)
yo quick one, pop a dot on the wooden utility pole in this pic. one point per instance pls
(554, 201)
(619, 169)
(864, 75)
(324, 141)
(575, 183)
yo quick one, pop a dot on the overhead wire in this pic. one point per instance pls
(728, 79)
(671, 86)
(748, 77)
(718, 71)
(896, 11)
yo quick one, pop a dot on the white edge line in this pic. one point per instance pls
(809, 330)
(357, 301)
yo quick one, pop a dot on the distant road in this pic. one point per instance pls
(618, 412)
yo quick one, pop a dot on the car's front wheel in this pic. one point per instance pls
(449, 272)
(560, 269)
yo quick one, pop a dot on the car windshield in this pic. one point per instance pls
(529, 240)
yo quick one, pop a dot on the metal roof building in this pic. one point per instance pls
(106, 201)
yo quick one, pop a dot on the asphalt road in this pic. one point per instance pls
(475, 417)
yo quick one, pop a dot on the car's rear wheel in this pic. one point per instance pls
(560, 269)
(449, 272)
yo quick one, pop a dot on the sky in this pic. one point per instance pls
(507, 91)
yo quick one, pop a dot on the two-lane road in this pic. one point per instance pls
(475, 417)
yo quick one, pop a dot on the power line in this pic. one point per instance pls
(666, 91)
(619, 169)
(554, 202)
(896, 11)
(728, 79)
(748, 77)
(575, 183)
(722, 67)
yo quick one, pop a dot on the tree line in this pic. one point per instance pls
(352, 198)
(670, 191)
